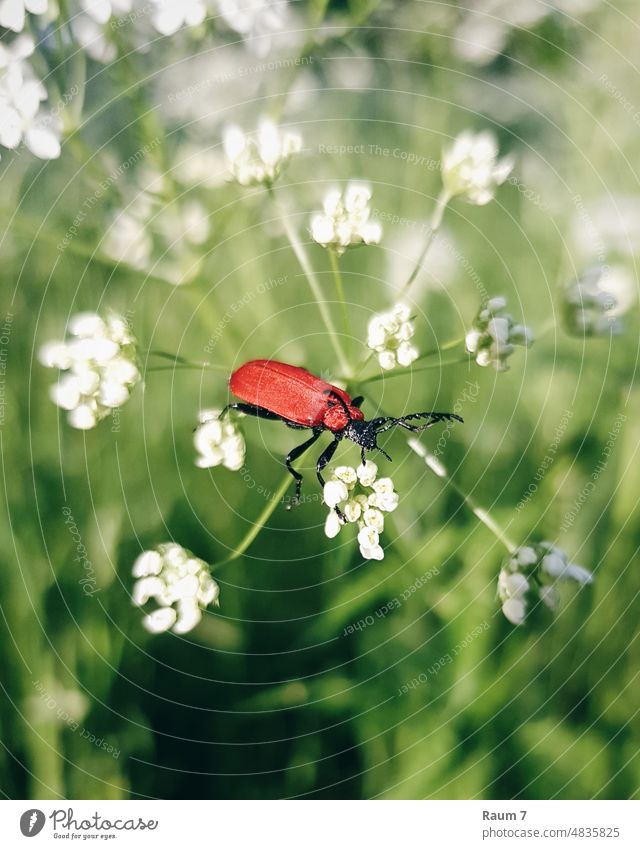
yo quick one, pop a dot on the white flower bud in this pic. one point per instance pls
(344, 221)
(335, 492)
(332, 524)
(471, 168)
(160, 620)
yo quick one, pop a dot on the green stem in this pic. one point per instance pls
(480, 513)
(184, 362)
(260, 522)
(407, 372)
(436, 220)
(337, 276)
(314, 285)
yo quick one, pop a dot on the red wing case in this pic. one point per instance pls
(290, 391)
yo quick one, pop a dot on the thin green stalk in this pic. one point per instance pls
(436, 220)
(314, 285)
(479, 512)
(407, 372)
(337, 276)
(260, 522)
(184, 362)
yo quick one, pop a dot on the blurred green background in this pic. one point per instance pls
(276, 694)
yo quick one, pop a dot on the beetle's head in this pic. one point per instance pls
(365, 434)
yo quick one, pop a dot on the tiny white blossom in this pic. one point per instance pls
(594, 303)
(471, 168)
(219, 442)
(259, 160)
(533, 570)
(494, 335)
(389, 334)
(13, 12)
(98, 361)
(179, 582)
(357, 497)
(344, 221)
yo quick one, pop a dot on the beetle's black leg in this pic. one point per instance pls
(323, 460)
(357, 402)
(251, 410)
(293, 455)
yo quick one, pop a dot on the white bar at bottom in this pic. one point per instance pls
(321, 824)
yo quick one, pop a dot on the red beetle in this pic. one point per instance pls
(273, 390)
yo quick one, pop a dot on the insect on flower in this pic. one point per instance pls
(281, 392)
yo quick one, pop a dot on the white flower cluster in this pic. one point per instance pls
(389, 334)
(594, 303)
(495, 334)
(179, 582)
(218, 442)
(13, 12)
(150, 235)
(21, 95)
(260, 160)
(362, 499)
(344, 222)
(529, 575)
(471, 168)
(99, 365)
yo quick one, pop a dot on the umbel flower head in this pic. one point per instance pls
(495, 334)
(260, 160)
(99, 368)
(389, 334)
(530, 575)
(471, 168)
(593, 303)
(344, 222)
(362, 499)
(179, 582)
(218, 442)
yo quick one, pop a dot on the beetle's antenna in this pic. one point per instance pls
(387, 423)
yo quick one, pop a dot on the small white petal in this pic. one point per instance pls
(189, 615)
(515, 610)
(332, 524)
(147, 563)
(160, 620)
(83, 417)
(335, 492)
